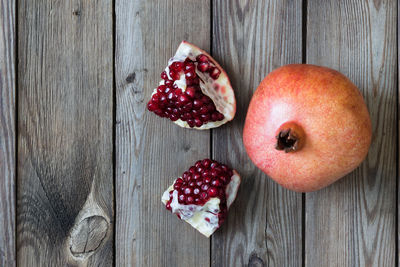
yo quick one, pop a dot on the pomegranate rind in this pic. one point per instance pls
(219, 90)
(195, 214)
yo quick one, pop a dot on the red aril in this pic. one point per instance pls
(194, 77)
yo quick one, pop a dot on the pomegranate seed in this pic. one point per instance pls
(203, 110)
(190, 75)
(190, 91)
(195, 114)
(191, 123)
(204, 187)
(188, 107)
(177, 66)
(206, 162)
(183, 99)
(169, 83)
(198, 164)
(174, 75)
(212, 192)
(203, 195)
(154, 98)
(206, 100)
(214, 173)
(203, 67)
(181, 198)
(198, 122)
(196, 176)
(216, 182)
(211, 107)
(214, 116)
(205, 173)
(161, 88)
(213, 165)
(167, 90)
(189, 67)
(151, 106)
(164, 75)
(173, 117)
(189, 200)
(178, 92)
(192, 169)
(199, 182)
(194, 81)
(191, 184)
(214, 73)
(196, 191)
(205, 118)
(162, 98)
(202, 58)
(187, 116)
(197, 103)
(171, 96)
(220, 116)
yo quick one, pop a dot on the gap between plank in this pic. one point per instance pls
(303, 197)
(16, 130)
(114, 114)
(397, 145)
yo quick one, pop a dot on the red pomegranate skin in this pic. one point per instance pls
(334, 123)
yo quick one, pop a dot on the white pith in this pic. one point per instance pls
(224, 102)
(196, 215)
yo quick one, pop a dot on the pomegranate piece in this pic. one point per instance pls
(203, 195)
(195, 91)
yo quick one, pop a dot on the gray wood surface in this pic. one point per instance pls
(65, 148)
(151, 151)
(7, 133)
(250, 39)
(57, 185)
(352, 222)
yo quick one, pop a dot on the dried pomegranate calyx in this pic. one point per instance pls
(290, 137)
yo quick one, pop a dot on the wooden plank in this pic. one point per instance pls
(352, 222)
(65, 146)
(151, 151)
(7, 133)
(250, 39)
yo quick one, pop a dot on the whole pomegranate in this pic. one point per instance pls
(306, 127)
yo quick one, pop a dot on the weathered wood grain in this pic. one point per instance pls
(65, 147)
(7, 133)
(352, 222)
(151, 151)
(250, 39)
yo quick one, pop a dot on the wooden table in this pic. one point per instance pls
(83, 164)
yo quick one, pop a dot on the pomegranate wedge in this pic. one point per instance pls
(195, 91)
(203, 195)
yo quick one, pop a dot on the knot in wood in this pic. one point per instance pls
(255, 261)
(88, 235)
